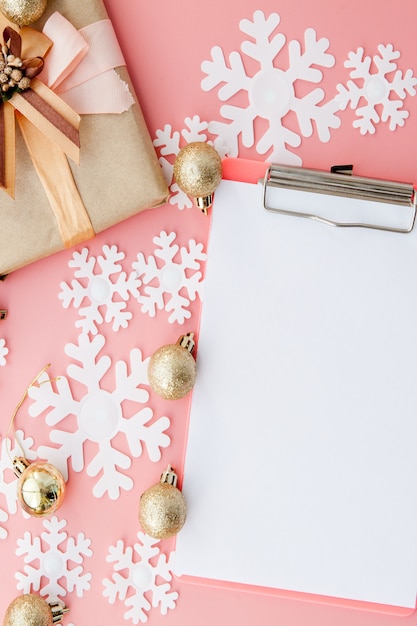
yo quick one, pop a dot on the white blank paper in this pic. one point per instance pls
(301, 466)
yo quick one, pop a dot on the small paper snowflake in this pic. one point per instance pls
(4, 351)
(376, 88)
(169, 144)
(141, 578)
(98, 290)
(54, 562)
(99, 416)
(271, 91)
(8, 479)
(174, 279)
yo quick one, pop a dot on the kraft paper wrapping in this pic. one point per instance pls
(119, 174)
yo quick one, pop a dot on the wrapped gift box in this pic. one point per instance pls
(118, 174)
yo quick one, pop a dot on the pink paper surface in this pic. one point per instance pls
(164, 46)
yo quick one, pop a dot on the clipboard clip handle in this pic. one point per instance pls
(337, 183)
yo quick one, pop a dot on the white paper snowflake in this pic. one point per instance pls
(376, 88)
(8, 479)
(179, 280)
(98, 290)
(271, 91)
(3, 519)
(141, 577)
(4, 351)
(169, 143)
(57, 557)
(99, 416)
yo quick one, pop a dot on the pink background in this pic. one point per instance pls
(164, 45)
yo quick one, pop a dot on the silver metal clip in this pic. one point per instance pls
(338, 184)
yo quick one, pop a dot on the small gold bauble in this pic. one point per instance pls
(23, 12)
(172, 369)
(198, 172)
(162, 508)
(40, 488)
(32, 610)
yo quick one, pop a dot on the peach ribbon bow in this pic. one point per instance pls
(50, 129)
(50, 126)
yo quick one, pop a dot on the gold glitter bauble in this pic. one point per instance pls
(172, 369)
(162, 508)
(22, 12)
(40, 488)
(32, 610)
(28, 610)
(198, 172)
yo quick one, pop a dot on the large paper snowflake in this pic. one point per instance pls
(169, 143)
(8, 479)
(4, 351)
(98, 290)
(60, 558)
(271, 91)
(375, 89)
(99, 416)
(141, 577)
(180, 281)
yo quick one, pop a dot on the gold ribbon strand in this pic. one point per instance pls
(19, 404)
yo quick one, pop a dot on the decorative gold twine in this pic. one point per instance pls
(19, 404)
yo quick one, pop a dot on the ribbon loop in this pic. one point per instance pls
(84, 76)
(13, 41)
(33, 67)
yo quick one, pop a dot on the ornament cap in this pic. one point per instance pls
(58, 611)
(20, 464)
(169, 477)
(204, 203)
(187, 342)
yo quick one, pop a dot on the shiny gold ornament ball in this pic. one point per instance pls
(23, 12)
(40, 488)
(198, 172)
(28, 610)
(172, 371)
(162, 508)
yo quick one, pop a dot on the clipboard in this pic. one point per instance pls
(342, 345)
